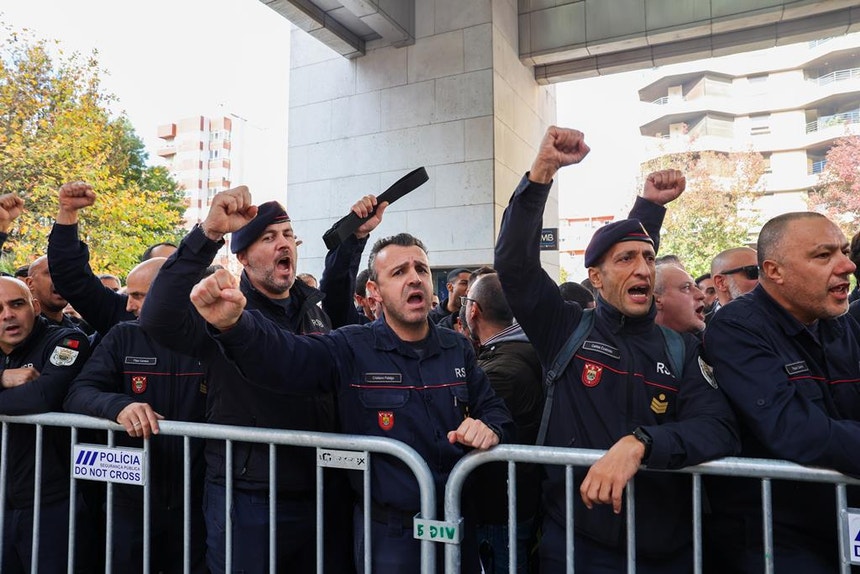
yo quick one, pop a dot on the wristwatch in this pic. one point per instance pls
(642, 436)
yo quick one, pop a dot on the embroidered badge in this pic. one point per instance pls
(385, 420)
(70, 343)
(150, 361)
(383, 378)
(659, 404)
(591, 374)
(63, 357)
(707, 372)
(138, 384)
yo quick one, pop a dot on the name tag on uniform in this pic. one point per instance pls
(383, 378)
(599, 347)
(796, 368)
(141, 361)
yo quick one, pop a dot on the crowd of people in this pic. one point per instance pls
(757, 358)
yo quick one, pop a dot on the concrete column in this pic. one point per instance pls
(458, 102)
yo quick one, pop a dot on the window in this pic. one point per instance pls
(760, 125)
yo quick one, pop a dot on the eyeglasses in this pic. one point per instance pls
(463, 300)
(750, 271)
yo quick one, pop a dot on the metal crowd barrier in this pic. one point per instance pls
(763, 469)
(321, 441)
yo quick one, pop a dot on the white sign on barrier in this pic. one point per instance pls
(107, 464)
(437, 530)
(348, 459)
(853, 542)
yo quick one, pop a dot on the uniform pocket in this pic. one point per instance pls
(383, 398)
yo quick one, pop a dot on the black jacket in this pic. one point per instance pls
(129, 367)
(58, 354)
(619, 379)
(515, 373)
(74, 279)
(169, 318)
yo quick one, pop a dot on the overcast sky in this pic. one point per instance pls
(169, 59)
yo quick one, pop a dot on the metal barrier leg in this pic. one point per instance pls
(630, 499)
(109, 515)
(319, 519)
(568, 519)
(368, 538)
(512, 517)
(73, 495)
(186, 505)
(767, 521)
(697, 523)
(842, 520)
(273, 510)
(37, 502)
(4, 467)
(228, 504)
(147, 509)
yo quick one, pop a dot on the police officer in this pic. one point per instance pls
(266, 248)
(618, 392)
(401, 377)
(135, 381)
(39, 362)
(789, 361)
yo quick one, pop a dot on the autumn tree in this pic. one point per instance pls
(837, 194)
(56, 126)
(716, 211)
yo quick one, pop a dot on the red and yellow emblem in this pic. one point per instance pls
(386, 420)
(138, 384)
(591, 374)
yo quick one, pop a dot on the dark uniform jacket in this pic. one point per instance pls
(58, 354)
(384, 389)
(169, 318)
(516, 375)
(619, 379)
(797, 395)
(129, 367)
(74, 279)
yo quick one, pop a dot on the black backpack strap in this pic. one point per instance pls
(675, 349)
(559, 364)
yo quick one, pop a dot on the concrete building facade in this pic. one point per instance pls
(458, 102)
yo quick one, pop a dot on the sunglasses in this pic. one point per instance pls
(750, 271)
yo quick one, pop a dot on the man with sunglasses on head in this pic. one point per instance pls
(735, 272)
(788, 359)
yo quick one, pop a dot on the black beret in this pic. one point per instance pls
(609, 235)
(267, 214)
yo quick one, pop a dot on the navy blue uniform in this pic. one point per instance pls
(129, 367)
(58, 354)
(619, 379)
(169, 318)
(385, 390)
(69, 261)
(796, 391)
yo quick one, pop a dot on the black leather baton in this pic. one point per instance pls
(347, 225)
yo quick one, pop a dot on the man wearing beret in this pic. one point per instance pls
(266, 248)
(619, 392)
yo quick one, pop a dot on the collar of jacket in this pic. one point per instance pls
(786, 321)
(38, 330)
(620, 322)
(386, 340)
(508, 334)
(300, 290)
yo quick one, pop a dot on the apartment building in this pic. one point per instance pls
(788, 103)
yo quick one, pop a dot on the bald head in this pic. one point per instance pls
(138, 281)
(18, 312)
(42, 286)
(735, 272)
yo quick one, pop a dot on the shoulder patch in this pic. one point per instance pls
(707, 372)
(63, 356)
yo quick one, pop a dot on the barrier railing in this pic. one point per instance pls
(763, 469)
(272, 437)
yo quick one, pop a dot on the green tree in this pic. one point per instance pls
(716, 210)
(56, 126)
(837, 194)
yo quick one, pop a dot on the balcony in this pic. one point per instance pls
(837, 76)
(846, 118)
